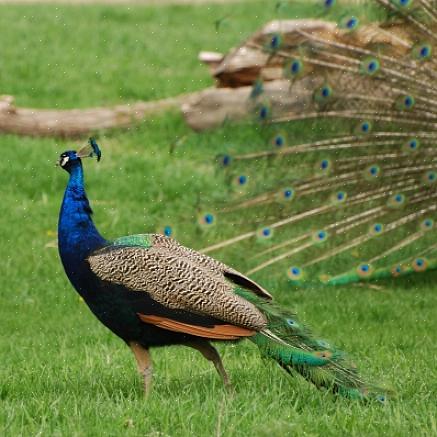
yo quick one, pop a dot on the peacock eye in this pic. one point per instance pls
(64, 160)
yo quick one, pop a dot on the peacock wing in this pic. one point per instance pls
(204, 261)
(179, 284)
(211, 264)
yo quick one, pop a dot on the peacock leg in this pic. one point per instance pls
(144, 363)
(211, 354)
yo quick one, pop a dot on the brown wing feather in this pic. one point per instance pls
(217, 332)
(212, 264)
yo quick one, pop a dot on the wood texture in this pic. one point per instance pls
(79, 122)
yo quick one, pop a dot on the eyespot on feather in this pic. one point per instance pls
(324, 166)
(295, 273)
(427, 224)
(376, 229)
(363, 128)
(398, 200)
(241, 180)
(206, 219)
(293, 68)
(372, 172)
(405, 103)
(339, 197)
(274, 42)
(224, 160)
(323, 94)
(420, 264)
(422, 51)
(320, 236)
(365, 270)
(263, 112)
(349, 22)
(397, 270)
(292, 323)
(412, 145)
(370, 66)
(264, 233)
(166, 230)
(279, 140)
(430, 177)
(285, 195)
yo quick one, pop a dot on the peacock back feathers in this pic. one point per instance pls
(344, 187)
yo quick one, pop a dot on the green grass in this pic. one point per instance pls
(61, 372)
(95, 55)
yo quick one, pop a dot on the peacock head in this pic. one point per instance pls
(70, 159)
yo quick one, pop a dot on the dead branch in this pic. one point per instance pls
(80, 122)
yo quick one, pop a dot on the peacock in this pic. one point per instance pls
(344, 188)
(151, 291)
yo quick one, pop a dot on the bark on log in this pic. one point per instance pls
(79, 122)
(215, 106)
(250, 61)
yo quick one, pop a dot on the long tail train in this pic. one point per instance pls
(346, 189)
(296, 350)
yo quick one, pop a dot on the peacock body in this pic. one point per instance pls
(344, 187)
(150, 291)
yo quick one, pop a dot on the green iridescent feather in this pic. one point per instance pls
(142, 240)
(296, 350)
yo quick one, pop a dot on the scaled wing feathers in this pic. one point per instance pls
(212, 264)
(176, 282)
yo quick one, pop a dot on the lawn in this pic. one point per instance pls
(62, 373)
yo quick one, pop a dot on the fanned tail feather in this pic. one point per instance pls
(356, 199)
(296, 350)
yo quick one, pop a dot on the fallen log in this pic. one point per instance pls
(80, 122)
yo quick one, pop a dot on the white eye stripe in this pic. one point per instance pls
(64, 160)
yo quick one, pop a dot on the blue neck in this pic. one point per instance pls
(77, 235)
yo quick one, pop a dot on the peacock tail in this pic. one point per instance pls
(291, 344)
(343, 189)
